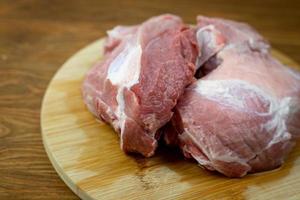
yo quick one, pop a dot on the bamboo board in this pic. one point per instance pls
(87, 156)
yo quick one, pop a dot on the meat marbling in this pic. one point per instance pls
(243, 114)
(144, 71)
(240, 116)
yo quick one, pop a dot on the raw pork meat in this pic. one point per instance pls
(242, 115)
(136, 86)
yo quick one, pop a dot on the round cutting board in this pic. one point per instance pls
(86, 153)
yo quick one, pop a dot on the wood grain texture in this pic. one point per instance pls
(86, 153)
(36, 37)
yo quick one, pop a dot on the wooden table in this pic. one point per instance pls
(36, 37)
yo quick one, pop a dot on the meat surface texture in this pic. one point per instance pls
(145, 70)
(243, 114)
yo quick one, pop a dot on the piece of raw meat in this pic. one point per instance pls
(144, 71)
(243, 114)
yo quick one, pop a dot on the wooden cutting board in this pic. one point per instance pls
(87, 156)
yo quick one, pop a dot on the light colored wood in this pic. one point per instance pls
(86, 153)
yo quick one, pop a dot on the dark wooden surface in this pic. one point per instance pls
(36, 37)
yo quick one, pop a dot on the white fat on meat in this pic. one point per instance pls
(205, 37)
(224, 93)
(281, 111)
(121, 32)
(212, 42)
(115, 32)
(124, 71)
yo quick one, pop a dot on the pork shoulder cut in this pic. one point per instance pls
(243, 114)
(144, 71)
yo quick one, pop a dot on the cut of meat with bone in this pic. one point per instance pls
(244, 114)
(136, 86)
